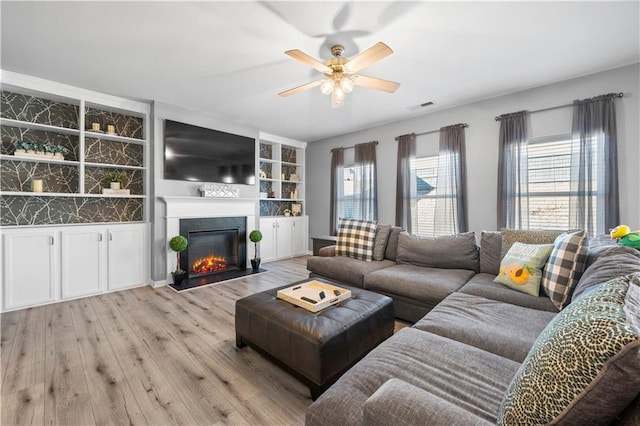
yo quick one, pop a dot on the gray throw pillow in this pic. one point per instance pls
(583, 367)
(612, 263)
(391, 251)
(490, 252)
(380, 243)
(457, 251)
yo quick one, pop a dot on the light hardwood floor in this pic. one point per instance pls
(146, 356)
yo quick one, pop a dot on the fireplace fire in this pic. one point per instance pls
(209, 264)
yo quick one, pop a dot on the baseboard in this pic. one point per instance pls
(161, 283)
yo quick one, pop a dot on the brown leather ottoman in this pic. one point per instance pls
(316, 347)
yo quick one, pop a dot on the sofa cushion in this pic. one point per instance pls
(391, 252)
(609, 264)
(498, 327)
(356, 238)
(510, 236)
(521, 268)
(490, 252)
(344, 269)
(427, 285)
(462, 375)
(583, 369)
(483, 285)
(450, 251)
(380, 242)
(400, 403)
(565, 266)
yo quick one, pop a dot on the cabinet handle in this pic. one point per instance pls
(51, 239)
(110, 236)
(99, 237)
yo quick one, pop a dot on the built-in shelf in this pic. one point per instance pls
(37, 126)
(115, 138)
(47, 160)
(65, 194)
(113, 166)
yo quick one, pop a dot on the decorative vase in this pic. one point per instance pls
(114, 185)
(255, 265)
(178, 277)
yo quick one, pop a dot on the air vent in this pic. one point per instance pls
(426, 104)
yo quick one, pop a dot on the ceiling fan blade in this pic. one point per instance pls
(299, 55)
(375, 83)
(300, 88)
(373, 54)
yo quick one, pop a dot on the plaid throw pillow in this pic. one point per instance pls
(356, 238)
(565, 266)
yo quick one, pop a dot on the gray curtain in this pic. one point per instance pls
(405, 181)
(451, 202)
(594, 203)
(513, 203)
(337, 189)
(365, 203)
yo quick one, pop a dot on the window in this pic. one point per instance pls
(423, 210)
(347, 202)
(549, 174)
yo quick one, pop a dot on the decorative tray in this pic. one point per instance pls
(313, 295)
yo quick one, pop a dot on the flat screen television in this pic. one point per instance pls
(198, 154)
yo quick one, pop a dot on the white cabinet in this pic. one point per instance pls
(283, 237)
(83, 261)
(299, 240)
(30, 268)
(50, 264)
(126, 256)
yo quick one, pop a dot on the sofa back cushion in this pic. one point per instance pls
(490, 252)
(583, 368)
(609, 264)
(457, 251)
(510, 236)
(356, 238)
(391, 252)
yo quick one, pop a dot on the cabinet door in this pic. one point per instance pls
(83, 262)
(30, 269)
(126, 256)
(284, 230)
(299, 243)
(268, 244)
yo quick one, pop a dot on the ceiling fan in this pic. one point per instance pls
(341, 73)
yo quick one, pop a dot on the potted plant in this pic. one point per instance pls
(255, 236)
(20, 147)
(115, 179)
(178, 244)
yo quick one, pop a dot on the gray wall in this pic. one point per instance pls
(482, 145)
(163, 187)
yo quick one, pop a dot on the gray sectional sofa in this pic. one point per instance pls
(473, 342)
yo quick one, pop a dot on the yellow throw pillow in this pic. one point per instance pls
(521, 268)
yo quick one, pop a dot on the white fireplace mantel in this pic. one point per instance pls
(183, 207)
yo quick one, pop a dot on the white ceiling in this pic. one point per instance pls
(227, 58)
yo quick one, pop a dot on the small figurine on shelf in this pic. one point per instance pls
(287, 212)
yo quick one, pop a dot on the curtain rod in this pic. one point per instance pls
(615, 95)
(353, 146)
(436, 131)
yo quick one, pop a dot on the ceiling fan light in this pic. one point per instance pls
(346, 84)
(335, 101)
(338, 93)
(327, 87)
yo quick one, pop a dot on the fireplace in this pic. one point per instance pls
(217, 246)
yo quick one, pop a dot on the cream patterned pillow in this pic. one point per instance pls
(510, 236)
(583, 368)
